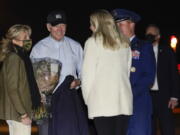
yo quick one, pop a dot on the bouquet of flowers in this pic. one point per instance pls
(47, 74)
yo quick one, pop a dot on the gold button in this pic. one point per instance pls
(133, 69)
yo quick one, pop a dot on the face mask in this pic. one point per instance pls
(27, 44)
(151, 38)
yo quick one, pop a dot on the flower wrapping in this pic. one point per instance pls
(47, 75)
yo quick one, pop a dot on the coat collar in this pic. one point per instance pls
(135, 43)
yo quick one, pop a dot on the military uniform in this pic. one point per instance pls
(142, 77)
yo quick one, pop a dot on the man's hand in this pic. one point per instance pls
(75, 83)
(172, 103)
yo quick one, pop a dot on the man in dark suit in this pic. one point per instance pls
(142, 73)
(165, 91)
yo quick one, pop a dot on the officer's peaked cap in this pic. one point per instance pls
(123, 14)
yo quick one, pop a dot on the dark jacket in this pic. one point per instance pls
(167, 74)
(142, 78)
(68, 113)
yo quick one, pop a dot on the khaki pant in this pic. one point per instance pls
(17, 128)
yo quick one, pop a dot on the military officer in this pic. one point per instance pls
(142, 73)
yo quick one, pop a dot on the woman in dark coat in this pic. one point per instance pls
(18, 89)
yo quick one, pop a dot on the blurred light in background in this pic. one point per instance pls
(173, 42)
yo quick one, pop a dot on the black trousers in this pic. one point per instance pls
(116, 125)
(162, 115)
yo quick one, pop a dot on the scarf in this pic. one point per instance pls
(34, 91)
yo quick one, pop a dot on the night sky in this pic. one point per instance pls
(166, 14)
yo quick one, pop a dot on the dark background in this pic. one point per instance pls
(166, 14)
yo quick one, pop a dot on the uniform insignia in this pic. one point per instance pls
(135, 54)
(133, 69)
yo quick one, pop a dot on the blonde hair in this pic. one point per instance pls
(106, 28)
(12, 33)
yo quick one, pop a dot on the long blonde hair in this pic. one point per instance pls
(106, 28)
(12, 33)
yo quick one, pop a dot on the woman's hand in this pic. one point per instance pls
(26, 120)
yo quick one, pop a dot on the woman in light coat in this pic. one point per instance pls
(105, 76)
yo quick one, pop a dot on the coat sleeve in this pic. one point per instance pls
(88, 68)
(148, 66)
(174, 78)
(13, 69)
(80, 61)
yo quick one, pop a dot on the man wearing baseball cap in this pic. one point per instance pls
(142, 73)
(58, 46)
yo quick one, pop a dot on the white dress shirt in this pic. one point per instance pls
(131, 38)
(155, 85)
(67, 51)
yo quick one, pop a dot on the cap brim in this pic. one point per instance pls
(123, 19)
(57, 22)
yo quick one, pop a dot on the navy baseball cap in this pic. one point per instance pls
(56, 17)
(123, 14)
